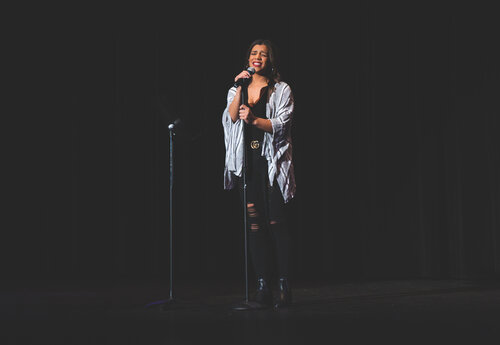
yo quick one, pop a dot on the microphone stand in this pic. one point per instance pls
(245, 305)
(163, 304)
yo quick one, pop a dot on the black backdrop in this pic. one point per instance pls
(395, 134)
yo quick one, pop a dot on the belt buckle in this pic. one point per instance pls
(254, 144)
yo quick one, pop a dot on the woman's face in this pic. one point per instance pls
(258, 57)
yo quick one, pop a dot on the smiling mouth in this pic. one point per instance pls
(257, 64)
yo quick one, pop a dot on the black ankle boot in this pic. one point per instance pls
(263, 294)
(285, 294)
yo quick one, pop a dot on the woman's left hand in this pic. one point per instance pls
(246, 114)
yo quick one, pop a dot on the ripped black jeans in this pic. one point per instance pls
(269, 240)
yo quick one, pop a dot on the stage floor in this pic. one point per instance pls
(394, 311)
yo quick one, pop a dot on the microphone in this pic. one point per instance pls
(174, 124)
(242, 81)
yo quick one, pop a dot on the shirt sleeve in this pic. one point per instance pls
(282, 121)
(233, 135)
(278, 147)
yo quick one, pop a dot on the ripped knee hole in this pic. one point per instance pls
(251, 210)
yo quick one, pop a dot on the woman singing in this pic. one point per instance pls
(267, 118)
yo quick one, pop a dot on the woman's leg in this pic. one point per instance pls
(280, 233)
(282, 247)
(259, 241)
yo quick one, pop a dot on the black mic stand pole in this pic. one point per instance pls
(246, 305)
(171, 139)
(164, 303)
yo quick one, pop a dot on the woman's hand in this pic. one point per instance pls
(246, 114)
(243, 74)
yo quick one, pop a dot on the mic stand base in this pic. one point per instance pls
(249, 305)
(163, 305)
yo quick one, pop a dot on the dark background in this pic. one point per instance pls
(395, 135)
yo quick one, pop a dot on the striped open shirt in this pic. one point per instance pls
(276, 146)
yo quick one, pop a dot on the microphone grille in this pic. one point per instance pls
(251, 70)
